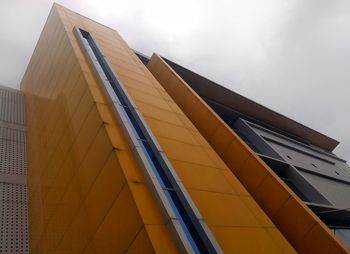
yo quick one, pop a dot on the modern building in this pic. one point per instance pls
(300, 156)
(130, 154)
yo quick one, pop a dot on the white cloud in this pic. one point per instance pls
(292, 56)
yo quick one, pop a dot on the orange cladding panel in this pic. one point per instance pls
(86, 191)
(287, 212)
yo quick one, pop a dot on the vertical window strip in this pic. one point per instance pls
(191, 229)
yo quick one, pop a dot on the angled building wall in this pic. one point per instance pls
(87, 193)
(301, 157)
(303, 229)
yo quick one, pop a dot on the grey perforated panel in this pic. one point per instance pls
(12, 158)
(13, 170)
(11, 107)
(12, 134)
(13, 229)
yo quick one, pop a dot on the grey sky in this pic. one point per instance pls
(292, 56)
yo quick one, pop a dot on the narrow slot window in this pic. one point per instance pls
(196, 235)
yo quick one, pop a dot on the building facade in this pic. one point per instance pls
(300, 156)
(13, 172)
(127, 157)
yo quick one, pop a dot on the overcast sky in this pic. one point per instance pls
(292, 56)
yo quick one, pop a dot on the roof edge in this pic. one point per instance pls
(314, 137)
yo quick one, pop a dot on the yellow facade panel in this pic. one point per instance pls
(75, 95)
(248, 240)
(65, 86)
(235, 155)
(235, 184)
(157, 113)
(142, 87)
(199, 139)
(106, 114)
(95, 89)
(198, 112)
(185, 152)
(221, 209)
(301, 224)
(116, 137)
(94, 160)
(311, 241)
(86, 135)
(152, 100)
(165, 95)
(147, 206)
(178, 94)
(61, 180)
(105, 190)
(81, 113)
(200, 177)
(130, 81)
(161, 239)
(216, 160)
(77, 230)
(129, 166)
(270, 195)
(141, 244)
(186, 121)
(171, 131)
(163, 75)
(252, 173)
(280, 241)
(259, 214)
(105, 41)
(120, 65)
(132, 75)
(175, 108)
(120, 226)
(221, 139)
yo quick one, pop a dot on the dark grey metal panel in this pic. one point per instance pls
(336, 192)
(302, 147)
(13, 171)
(248, 134)
(318, 177)
(343, 235)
